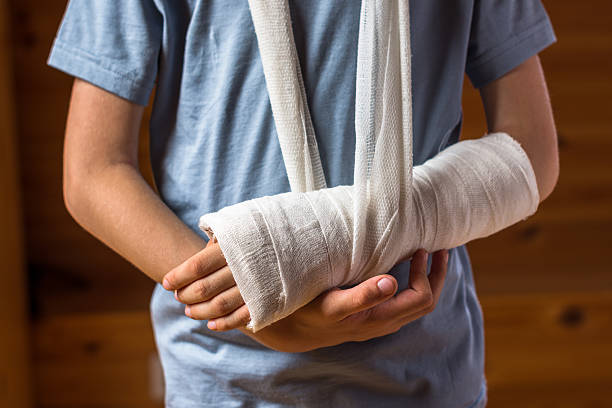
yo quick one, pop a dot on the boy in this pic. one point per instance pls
(213, 144)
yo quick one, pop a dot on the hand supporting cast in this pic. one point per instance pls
(204, 283)
(365, 311)
(360, 313)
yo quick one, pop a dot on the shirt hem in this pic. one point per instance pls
(482, 398)
(499, 60)
(77, 63)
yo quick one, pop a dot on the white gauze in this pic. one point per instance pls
(286, 249)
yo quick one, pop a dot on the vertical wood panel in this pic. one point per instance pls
(14, 341)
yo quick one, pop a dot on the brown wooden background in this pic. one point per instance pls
(545, 285)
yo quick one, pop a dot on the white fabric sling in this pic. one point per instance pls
(286, 249)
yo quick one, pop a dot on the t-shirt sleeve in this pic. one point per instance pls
(504, 34)
(112, 44)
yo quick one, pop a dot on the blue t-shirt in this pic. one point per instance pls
(213, 143)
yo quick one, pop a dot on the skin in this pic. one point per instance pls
(106, 194)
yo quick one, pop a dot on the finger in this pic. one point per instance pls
(437, 273)
(199, 265)
(337, 304)
(417, 280)
(238, 318)
(418, 297)
(206, 288)
(221, 305)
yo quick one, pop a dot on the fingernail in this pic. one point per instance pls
(188, 311)
(166, 284)
(176, 294)
(385, 285)
(212, 325)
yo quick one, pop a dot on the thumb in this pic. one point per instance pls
(341, 303)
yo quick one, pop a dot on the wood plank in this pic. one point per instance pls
(549, 350)
(14, 340)
(592, 394)
(545, 256)
(549, 337)
(96, 360)
(543, 350)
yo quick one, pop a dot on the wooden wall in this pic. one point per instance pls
(545, 285)
(14, 348)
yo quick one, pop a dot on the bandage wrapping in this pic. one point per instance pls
(286, 249)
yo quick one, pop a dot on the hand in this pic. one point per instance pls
(204, 283)
(360, 313)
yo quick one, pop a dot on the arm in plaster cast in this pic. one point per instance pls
(491, 177)
(519, 104)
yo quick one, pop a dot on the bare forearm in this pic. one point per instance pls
(519, 104)
(104, 190)
(117, 206)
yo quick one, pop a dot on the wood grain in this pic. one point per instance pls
(95, 360)
(549, 350)
(543, 350)
(14, 340)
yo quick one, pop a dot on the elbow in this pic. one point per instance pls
(70, 195)
(75, 199)
(549, 171)
(554, 177)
